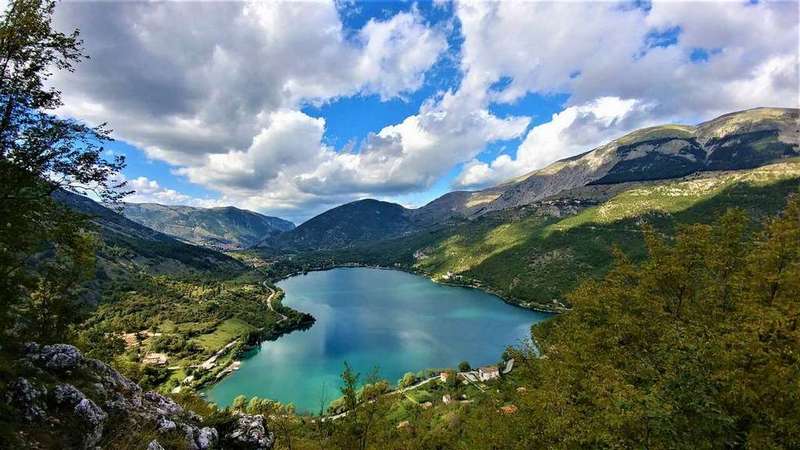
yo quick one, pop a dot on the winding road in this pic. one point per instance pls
(272, 295)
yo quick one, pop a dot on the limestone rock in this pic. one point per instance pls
(164, 406)
(79, 418)
(93, 418)
(207, 438)
(60, 357)
(154, 445)
(251, 432)
(27, 398)
(67, 395)
(165, 425)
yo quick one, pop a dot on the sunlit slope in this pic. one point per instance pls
(739, 140)
(533, 256)
(677, 196)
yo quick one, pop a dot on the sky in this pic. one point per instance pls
(291, 108)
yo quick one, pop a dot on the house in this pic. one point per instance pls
(446, 399)
(156, 359)
(488, 373)
(444, 376)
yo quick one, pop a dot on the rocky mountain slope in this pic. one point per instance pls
(533, 254)
(130, 246)
(62, 399)
(225, 228)
(739, 140)
(736, 141)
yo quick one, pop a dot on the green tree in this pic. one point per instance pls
(408, 379)
(464, 366)
(45, 252)
(696, 347)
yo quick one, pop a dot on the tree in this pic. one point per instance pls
(239, 403)
(45, 250)
(464, 366)
(694, 347)
(408, 379)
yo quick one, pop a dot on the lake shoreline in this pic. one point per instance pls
(303, 327)
(209, 388)
(508, 300)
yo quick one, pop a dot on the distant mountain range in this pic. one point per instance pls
(740, 140)
(128, 246)
(225, 228)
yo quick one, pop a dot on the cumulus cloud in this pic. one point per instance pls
(217, 89)
(183, 80)
(569, 132)
(150, 191)
(603, 56)
(288, 165)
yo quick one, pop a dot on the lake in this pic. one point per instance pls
(394, 320)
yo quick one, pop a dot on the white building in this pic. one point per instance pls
(488, 373)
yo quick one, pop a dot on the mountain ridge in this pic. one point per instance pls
(128, 246)
(225, 227)
(734, 141)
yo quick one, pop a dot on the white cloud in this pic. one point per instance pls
(149, 191)
(287, 165)
(570, 132)
(202, 78)
(598, 53)
(216, 89)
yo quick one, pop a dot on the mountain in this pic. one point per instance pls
(736, 141)
(129, 246)
(359, 221)
(739, 140)
(223, 228)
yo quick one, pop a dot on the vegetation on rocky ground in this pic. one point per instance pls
(188, 321)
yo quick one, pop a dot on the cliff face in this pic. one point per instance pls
(64, 400)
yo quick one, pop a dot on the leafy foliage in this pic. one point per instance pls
(45, 250)
(695, 346)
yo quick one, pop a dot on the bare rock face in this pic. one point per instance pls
(91, 405)
(68, 395)
(27, 398)
(60, 357)
(161, 404)
(92, 418)
(154, 445)
(207, 438)
(251, 432)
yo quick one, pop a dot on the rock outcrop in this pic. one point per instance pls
(67, 401)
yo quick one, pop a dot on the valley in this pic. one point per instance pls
(428, 225)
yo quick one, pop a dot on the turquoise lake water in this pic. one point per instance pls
(394, 320)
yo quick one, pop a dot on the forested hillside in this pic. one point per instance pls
(693, 346)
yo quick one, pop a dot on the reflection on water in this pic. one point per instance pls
(392, 320)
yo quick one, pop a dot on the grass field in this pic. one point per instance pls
(224, 333)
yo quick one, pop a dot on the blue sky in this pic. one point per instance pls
(290, 108)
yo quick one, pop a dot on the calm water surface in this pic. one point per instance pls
(394, 320)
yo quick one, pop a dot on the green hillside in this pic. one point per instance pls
(343, 226)
(535, 254)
